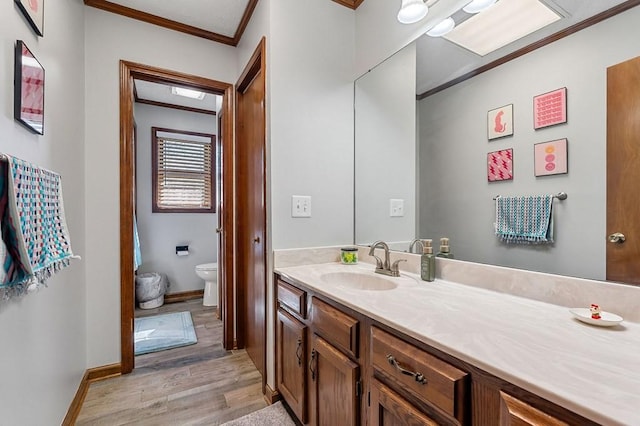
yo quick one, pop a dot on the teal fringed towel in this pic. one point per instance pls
(525, 220)
(35, 239)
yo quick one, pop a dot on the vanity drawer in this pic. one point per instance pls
(438, 383)
(338, 328)
(292, 298)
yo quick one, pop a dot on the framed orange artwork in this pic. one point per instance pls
(500, 122)
(33, 11)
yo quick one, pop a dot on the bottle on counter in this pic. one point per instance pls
(445, 249)
(427, 262)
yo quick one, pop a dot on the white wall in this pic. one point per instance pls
(385, 150)
(108, 39)
(309, 107)
(311, 126)
(454, 147)
(160, 233)
(42, 336)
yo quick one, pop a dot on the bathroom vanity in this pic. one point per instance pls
(353, 347)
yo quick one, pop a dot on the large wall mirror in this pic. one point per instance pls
(421, 143)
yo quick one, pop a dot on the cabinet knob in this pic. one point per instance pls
(256, 240)
(617, 238)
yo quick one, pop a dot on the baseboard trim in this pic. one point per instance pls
(91, 375)
(104, 372)
(183, 296)
(270, 395)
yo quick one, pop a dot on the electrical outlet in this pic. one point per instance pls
(300, 206)
(396, 207)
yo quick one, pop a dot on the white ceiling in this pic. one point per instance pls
(217, 16)
(158, 92)
(222, 21)
(440, 61)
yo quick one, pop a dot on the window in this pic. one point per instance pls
(183, 171)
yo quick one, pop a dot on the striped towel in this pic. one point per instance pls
(525, 220)
(35, 238)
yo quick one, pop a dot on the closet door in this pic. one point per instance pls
(623, 172)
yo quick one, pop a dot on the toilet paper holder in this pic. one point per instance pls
(182, 250)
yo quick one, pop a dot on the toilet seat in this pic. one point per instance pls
(207, 267)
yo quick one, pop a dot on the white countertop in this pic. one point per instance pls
(593, 371)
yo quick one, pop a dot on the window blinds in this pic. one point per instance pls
(184, 174)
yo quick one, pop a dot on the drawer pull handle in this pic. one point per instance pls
(311, 367)
(299, 351)
(419, 377)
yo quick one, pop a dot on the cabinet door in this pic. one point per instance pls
(514, 412)
(334, 387)
(291, 362)
(390, 409)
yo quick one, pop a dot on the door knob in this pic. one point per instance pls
(218, 230)
(617, 237)
(256, 240)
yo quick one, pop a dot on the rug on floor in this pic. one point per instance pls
(160, 332)
(273, 415)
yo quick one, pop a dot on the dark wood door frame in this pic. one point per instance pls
(255, 66)
(129, 71)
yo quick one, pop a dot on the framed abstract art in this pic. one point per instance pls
(500, 165)
(550, 108)
(28, 104)
(33, 11)
(550, 158)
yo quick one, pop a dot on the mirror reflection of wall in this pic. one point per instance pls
(454, 197)
(385, 159)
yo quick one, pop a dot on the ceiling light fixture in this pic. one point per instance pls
(504, 23)
(412, 11)
(477, 6)
(442, 28)
(188, 93)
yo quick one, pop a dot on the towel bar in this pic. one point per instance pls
(559, 196)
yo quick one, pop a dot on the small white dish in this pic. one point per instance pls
(607, 319)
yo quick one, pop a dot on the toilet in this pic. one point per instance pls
(209, 273)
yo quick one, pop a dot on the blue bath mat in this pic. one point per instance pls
(161, 332)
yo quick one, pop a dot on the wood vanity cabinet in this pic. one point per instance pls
(319, 381)
(292, 362)
(335, 366)
(514, 412)
(387, 408)
(437, 386)
(334, 388)
(291, 348)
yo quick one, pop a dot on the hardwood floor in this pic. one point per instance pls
(202, 384)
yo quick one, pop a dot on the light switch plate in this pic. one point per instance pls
(396, 207)
(300, 206)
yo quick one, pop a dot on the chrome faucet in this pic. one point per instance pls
(384, 267)
(413, 244)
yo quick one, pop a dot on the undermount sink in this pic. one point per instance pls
(359, 280)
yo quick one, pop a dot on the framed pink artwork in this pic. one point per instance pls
(550, 108)
(33, 11)
(500, 165)
(28, 104)
(500, 122)
(550, 158)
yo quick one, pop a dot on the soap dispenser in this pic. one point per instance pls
(445, 250)
(427, 262)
